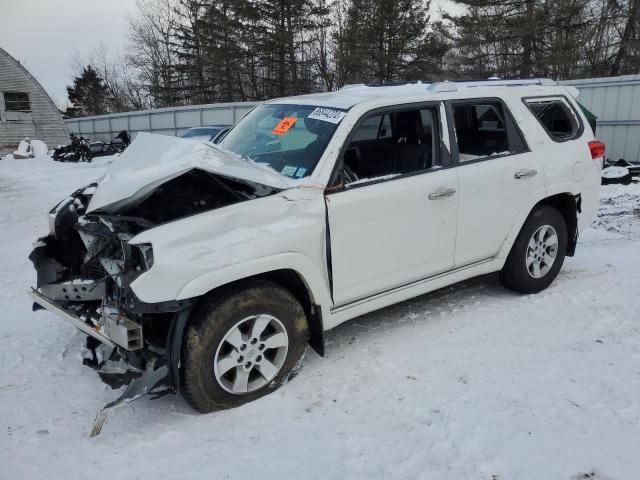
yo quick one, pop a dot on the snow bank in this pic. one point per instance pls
(28, 148)
(24, 149)
(469, 382)
(39, 148)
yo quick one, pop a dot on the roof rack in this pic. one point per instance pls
(448, 86)
(452, 86)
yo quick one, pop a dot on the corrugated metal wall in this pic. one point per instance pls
(164, 121)
(616, 102)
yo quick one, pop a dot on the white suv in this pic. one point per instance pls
(208, 268)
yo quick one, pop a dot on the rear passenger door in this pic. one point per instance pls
(498, 176)
(394, 222)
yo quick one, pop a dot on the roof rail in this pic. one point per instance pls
(448, 86)
(350, 86)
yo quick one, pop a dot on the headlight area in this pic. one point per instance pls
(142, 256)
(85, 268)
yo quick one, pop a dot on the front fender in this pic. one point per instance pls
(303, 266)
(192, 256)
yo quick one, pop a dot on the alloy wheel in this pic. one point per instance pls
(251, 354)
(542, 251)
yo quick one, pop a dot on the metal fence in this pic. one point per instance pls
(164, 121)
(615, 100)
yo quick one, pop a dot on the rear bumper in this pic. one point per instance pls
(71, 317)
(590, 199)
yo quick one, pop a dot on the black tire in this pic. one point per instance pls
(209, 324)
(515, 275)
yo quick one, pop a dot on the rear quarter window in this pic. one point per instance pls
(556, 116)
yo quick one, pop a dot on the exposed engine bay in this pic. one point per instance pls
(85, 267)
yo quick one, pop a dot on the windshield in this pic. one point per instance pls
(289, 138)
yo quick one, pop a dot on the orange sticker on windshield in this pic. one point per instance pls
(283, 127)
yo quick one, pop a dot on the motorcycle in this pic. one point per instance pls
(621, 171)
(77, 150)
(116, 145)
(81, 149)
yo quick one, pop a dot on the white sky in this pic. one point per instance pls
(45, 34)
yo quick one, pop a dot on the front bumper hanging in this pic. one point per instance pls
(159, 376)
(70, 317)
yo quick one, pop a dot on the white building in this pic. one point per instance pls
(26, 110)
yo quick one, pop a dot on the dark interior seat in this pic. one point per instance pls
(408, 150)
(377, 158)
(472, 139)
(412, 152)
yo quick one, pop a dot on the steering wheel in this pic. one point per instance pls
(348, 174)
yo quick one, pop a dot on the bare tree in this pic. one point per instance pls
(151, 40)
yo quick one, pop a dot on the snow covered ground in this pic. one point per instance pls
(470, 382)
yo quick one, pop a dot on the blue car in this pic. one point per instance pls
(211, 133)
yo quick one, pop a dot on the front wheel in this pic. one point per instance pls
(537, 255)
(242, 344)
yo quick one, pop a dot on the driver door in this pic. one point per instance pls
(400, 227)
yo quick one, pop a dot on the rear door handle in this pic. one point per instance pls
(525, 173)
(442, 193)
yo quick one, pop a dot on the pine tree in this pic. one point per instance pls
(88, 95)
(627, 59)
(387, 41)
(222, 33)
(189, 46)
(561, 39)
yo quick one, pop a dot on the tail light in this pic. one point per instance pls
(597, 149)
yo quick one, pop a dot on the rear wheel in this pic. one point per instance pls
(537, 255)
(242, 344)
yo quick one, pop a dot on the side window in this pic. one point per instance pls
(368, 129)
(483, 129)
(555, 116)
(391, 144)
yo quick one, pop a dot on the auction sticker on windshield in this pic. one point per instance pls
(283, 127)
(327, 115)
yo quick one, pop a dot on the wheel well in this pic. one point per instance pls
(294, 283)
(569, 206)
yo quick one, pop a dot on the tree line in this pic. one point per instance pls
(186, 52)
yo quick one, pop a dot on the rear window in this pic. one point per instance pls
(556, 116)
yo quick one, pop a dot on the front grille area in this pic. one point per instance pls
(92, 270)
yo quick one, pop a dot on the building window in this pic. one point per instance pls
(17, 102)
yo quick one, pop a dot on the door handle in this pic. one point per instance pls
(442, 193)
(525, 173)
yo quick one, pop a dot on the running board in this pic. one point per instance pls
(355, 303)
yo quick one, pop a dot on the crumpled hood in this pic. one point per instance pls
(152, 160)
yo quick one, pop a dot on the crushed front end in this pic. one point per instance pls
(88, 263)
(84, 268)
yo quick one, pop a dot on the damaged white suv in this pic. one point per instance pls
(208, 268)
